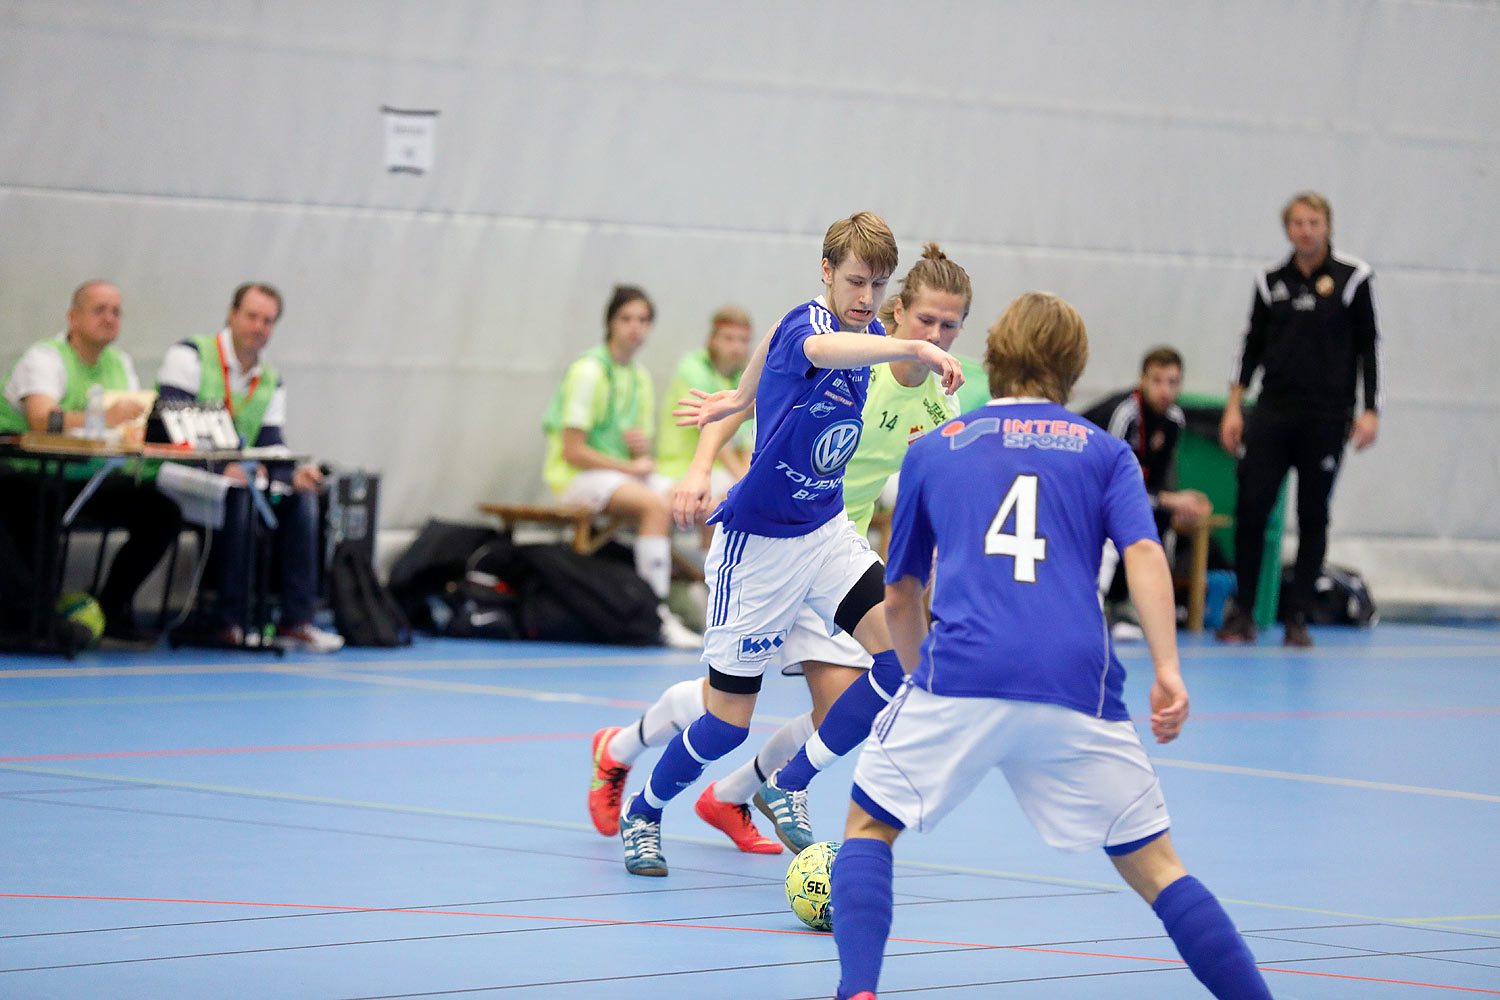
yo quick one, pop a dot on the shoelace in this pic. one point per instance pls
(645, 839)
(799, 808)
(614, 783)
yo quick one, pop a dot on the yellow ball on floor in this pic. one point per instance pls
(807, 885)
(82, 609)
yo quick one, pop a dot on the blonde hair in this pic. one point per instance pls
(728, 314)
(937, 272)
(1312, 200)
(863, 235)
(1037, 347)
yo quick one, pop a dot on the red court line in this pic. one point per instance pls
(712, 927)
(296, 747)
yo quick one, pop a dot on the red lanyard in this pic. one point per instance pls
(1140, 409)
(228, 391)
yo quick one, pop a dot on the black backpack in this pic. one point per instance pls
(485, 602)
(1340, 597)
(569, 597)
(363, 610)
(437, 557)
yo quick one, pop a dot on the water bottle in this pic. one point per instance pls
(93, 413)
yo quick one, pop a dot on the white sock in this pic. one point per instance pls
(740, 786)
(678, 707)
(818, 754)
(653, 562)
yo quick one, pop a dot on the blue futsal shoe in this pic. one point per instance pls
(642, 846)
(788, 810)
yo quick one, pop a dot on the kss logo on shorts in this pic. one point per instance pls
(835, 446)
(760, 646)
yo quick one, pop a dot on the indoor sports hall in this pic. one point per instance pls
(448, 197)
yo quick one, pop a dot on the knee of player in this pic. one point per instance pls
(867, 594)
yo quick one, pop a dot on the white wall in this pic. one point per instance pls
(1130, 155)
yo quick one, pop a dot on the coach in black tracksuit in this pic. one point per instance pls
(1312, 332)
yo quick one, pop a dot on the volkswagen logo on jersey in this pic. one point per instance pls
(835, 446)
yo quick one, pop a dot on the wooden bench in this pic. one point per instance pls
(589, 530)
(1197, 581)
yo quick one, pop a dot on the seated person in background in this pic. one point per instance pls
(1148, 418)
(599, 446)
(712, 368)
(227, 367)
(57, 375)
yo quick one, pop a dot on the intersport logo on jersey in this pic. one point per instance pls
(835, 446)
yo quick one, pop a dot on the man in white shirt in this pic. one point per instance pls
(227, 367)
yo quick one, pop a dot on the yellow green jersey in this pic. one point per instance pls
(895, 416)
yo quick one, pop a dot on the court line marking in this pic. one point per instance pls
(1319, 779)
(677, 925)
(256, 793)
(171, 699)
(661, 658)
(444, 741)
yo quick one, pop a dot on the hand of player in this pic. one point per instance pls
(122, 411)
(1188, 507)
(235, 473)
(1169, 706)
(702, 408)
(1366, 427)
(637, 441)
(1232, 429)
(690, 499)
(641, 466)
(949, 370)
(307, 478)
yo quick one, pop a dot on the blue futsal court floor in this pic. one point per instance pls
(411, 823)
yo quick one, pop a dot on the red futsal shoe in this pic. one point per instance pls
(735, 821)
(607, 784)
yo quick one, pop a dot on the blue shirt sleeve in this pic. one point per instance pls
(1127, 508)
(785, 353)
(911, 544)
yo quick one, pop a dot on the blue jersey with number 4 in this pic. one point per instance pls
(807, 424)
(1017, 498)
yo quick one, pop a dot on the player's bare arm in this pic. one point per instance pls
(1150, 582)
(842, 349)
(691, 497)
(703, 408)
(577, 453)
(906, 618)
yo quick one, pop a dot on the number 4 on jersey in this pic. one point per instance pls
(1022, 543)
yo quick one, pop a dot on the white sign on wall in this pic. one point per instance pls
(408, 140)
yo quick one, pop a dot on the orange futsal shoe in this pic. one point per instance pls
(735, 821)
(607, 784)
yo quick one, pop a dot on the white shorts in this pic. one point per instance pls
(592, 488)
(758, 588)
(809, 640)
(1083, 782)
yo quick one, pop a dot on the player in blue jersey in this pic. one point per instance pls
(780, 542)
(905, 399)
(1016, 670)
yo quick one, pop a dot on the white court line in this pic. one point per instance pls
(166, 669)
(461, 687)
(1278, 654)
(1319, 779)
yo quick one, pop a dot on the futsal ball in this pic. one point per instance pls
(81, 609)
(808, 886)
